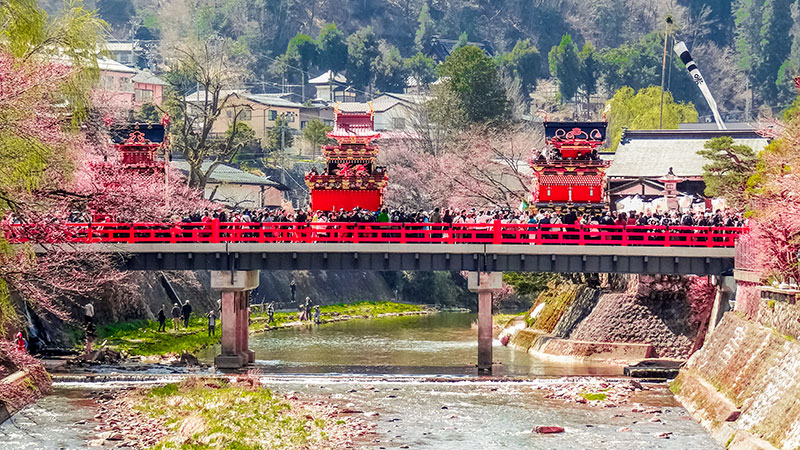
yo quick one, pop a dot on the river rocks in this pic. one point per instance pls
(591, 391)
(548, 430)
(188, 360)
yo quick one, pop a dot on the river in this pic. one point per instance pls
(387, 366)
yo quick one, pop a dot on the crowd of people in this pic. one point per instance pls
(567, 216)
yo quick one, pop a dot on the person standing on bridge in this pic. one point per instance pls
(186, 312)
(162, 320)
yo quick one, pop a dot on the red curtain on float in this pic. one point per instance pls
(334, 200)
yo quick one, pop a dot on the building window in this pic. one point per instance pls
(591, 191)
(399, 123)
(273, 115)
(245, 114)
(290, 117)
(125, 84)
(229, 114)
(144, 96)
(303, 124)
(548, 191)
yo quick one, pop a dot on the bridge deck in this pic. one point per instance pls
(389, 257)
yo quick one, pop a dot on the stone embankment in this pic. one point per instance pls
(624, 321)
(23, 380)
(744, 384)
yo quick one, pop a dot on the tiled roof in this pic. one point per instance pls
(147, 77)
(110, 65)
(651, 153)
(325, 78)
(226, 174)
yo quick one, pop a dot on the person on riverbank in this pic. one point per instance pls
(293, 288)
(22, 344)
(162, 320)
(307, 308)
(317, 315)
(212, 323)
(271, 312)
(176, 316)
(186, 312)
(88, 313)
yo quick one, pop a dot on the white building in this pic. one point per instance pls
(237, 188)
(332, 88)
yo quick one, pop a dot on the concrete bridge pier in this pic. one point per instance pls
(485, 284)
(235, 287)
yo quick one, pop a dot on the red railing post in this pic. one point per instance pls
(215, 231)
(497, 236)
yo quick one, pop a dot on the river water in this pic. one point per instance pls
(388, 366)
(445, 343)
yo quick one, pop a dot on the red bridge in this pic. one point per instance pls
(372, 232)
(235, 252)
(396, 246)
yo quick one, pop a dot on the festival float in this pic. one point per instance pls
(568, 173)
(137, 145)
(351, 178)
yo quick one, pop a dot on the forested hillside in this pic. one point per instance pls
(737, 43)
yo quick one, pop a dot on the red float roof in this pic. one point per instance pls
(354, 127)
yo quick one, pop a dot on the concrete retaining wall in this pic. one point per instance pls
(744, 386)
(549, 347)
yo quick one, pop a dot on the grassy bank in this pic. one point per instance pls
(501, 320)
(212, 413)
(141, 338)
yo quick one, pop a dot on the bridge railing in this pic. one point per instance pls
(401, 233)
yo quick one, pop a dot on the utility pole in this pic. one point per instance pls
(663, 72)
(283, 154)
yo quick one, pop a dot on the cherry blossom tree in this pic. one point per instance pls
(481, 166)
(775, 201)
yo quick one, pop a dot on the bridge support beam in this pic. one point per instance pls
(235, 288)
(485, 284)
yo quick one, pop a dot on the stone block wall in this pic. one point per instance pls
(744, 385)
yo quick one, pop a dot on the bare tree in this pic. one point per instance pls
(215, 72)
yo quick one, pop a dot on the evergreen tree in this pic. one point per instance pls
(422, 68)
(524, 62)
(316, 134)
(425, 31)
(332, 49)
(302, 52)
(362, 53)
(280, 136)
(462, 41)
(791, 67)
(565, 65)
(587, 81)
(729, 169)
(747, 30)
(390, 72)
(775, 47)
(472, 77)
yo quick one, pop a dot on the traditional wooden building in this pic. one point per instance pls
(351, 178)
(568, 172)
